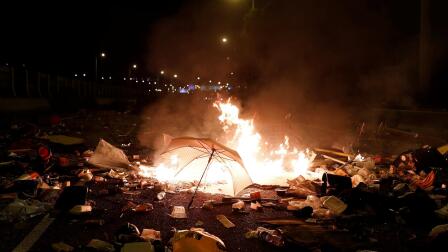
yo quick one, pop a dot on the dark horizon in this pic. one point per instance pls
(349, 44)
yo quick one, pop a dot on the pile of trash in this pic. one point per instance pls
(350, 197)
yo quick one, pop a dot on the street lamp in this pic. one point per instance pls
(162, 72)
(224, 40)
(175, 75)
(131, 67)
(102, 55)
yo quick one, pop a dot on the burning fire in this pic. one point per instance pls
(264, 166)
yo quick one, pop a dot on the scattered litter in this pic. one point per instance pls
(100, 245)
(208, 204)
(178, 212)
(196, 239)
(81, 209)
(161, 195)
(145, 207)
(85, 175)
(273, 237)
(437, 230)
(336, 205)
(108, 156)
(150, 234)
(224, 221)
(62, 247)
(23, 209)
(128, 233)
(239, 205)
(255, 206)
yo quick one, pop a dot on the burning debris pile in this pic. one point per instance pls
(251, 193)
(263, 163)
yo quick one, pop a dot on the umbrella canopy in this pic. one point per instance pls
(193, 155)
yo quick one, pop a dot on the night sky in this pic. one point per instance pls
(65, 36)
(313, 42)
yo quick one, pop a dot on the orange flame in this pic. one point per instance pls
(263, 166)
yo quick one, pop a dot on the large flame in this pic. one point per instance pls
(264, 166)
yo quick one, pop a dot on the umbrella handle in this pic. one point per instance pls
(206, 167)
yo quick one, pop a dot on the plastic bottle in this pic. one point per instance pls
(271, 236)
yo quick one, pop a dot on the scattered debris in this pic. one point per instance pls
(108, 156)
(238, 206)
(100, 245)
(150, 234)
(23, 209)
(336, 205)
(161, 195)
(196, 239)
(273, 237)
(81, 209)
(62, 247)
(145, 207)
(224, 221)
(178, 212)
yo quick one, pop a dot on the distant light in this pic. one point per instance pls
(219, 82)
(155, 82)
(162, 72)
(136, 81)
(231, 73)
(224, 39)
(175, 75)
(198, 78)
(102, 77)
(124, 78)
(110, 77)
(84, 74)
(143, 81)
(103, 54)
(76, 75)
(130, 78)
(134, 66)
(210, 81)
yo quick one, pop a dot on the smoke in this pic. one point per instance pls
(178, 116)
(309, 69)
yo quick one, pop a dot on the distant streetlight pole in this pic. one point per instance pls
(102, 55)
(131, 67)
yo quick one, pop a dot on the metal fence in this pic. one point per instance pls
(21, 82)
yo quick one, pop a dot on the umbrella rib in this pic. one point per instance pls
(180, 147)
(199, 149)
(205, 147)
